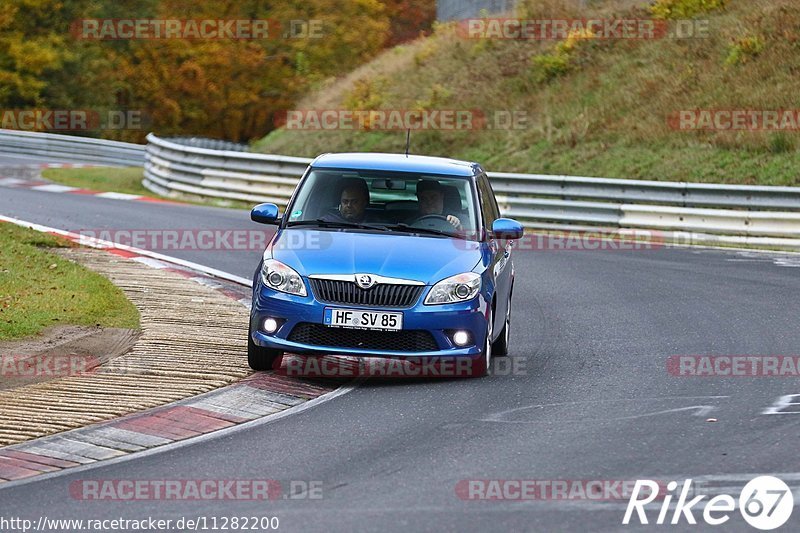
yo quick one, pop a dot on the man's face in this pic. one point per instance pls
(352, 204)
(431, 202)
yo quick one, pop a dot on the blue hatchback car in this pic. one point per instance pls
(385, 255)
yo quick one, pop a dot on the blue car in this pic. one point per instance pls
(385, 255)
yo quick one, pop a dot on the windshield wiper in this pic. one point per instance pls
(335, 224)
(412, 229)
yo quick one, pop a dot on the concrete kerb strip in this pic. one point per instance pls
(219, 395)
(250, 400)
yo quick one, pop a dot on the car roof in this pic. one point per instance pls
(398, 162)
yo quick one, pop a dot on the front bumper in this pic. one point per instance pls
(437, 320)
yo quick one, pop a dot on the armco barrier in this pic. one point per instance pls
(197, 167)
(536, 200)
(718, 221)
(71, 148)
(621, 191)
(171, 167)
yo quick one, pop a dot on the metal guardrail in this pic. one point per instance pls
(712, 208)
(721, 221)
(195, 167)
(171, 167)
(621, 191)
(211, 144)
(534, 199)
(71, 148)
(461, 9)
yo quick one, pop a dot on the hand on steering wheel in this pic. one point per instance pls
(451, 219)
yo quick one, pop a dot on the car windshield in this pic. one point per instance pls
(388, 201)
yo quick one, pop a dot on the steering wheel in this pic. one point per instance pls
(438, 222)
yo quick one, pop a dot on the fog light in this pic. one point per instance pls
(460, 338)
(270, 325)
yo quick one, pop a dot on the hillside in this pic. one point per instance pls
(594, 107)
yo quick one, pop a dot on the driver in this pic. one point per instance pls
(430, 195)
(353, 201)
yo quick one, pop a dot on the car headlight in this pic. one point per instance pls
(280, 277)
(458, 288)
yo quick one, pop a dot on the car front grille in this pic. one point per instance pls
(381, 295)
(389, 341)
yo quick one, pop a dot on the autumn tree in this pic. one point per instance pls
(233, 88)
(409, 19)
(227, 88)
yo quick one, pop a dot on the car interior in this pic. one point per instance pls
(392, 201)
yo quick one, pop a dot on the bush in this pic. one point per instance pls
(550, 66)
(561, 60)
(682, 9)
(367, 94)
(437, 96)
(428, 49)
(779, 143)
(744, 50)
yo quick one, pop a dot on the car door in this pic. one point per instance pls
(501, 251)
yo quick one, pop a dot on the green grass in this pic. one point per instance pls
(107, 179)
(40, 289)
(605, 113)
(125, 180)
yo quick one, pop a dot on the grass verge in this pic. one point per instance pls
(40, 289)
(107, 179)
(591, 106)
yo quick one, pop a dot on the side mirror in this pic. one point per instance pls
(265, 214)
(506, 228)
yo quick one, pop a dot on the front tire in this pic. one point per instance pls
(500, 346)
(260, 358)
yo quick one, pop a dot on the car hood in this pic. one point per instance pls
(426, 259)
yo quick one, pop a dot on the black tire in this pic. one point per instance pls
(481, 363)
(260, 358)
(500, 346)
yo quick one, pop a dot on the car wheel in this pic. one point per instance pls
(500, 347)
(260, 358)
(481, 363)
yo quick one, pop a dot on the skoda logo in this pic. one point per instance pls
(365, 281)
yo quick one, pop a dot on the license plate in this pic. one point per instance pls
(354, 318)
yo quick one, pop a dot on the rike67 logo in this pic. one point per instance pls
(765, 503)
